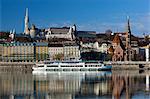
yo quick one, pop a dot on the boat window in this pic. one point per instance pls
(79, 66)
(41, 66)
(63, 66)
(71, 66)
(52, 65)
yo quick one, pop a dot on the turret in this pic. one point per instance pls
(12, 34)
(74, 28)
(33, 31)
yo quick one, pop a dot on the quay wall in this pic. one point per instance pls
(16, 66)
(27, 66)
(129, 65)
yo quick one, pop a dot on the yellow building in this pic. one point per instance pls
(1, 51)
(41, 49)
(18, 52)
(23, 52)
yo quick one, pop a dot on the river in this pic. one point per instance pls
(75, 85)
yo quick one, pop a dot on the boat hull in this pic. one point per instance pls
(103, 68)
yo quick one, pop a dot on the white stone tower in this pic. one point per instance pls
(26, 25)
(147, 52)
(73, 31)
(32, 31)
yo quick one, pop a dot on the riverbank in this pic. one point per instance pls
(16, 66)
(27, 66)
(129, 65)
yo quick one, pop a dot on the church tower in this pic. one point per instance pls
(26, 25)
(128, 41)
(128, 33)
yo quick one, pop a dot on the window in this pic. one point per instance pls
(52, 65)
(41, 66)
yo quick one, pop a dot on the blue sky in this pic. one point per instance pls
(96, 15)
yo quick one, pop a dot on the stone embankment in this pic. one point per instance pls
(16, 66)
(27, 66)
(129, 65)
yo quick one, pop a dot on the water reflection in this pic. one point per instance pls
(76, 85)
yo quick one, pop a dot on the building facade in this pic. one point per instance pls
(24, 52)
(56, 51)
(64, 32)
(118, 52)
(1, 52)
(41, 51)
(65, 51)
(103, 48)
(16, 52)
(71, 52)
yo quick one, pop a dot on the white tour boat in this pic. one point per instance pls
(70, 66)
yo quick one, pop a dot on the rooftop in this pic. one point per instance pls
(86, 34)
(62, 30)
(116, 39)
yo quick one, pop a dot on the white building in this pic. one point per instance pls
(88, 46)
(71, 51)
(104, 47)
(147, 52)
(55, 49)
(95, 46)
(64, 32)
(67, 51)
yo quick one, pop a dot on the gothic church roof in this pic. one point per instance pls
(116, 39)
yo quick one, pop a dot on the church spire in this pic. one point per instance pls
(128, 41)
(26, 16)
(129, 30)
(26, 28)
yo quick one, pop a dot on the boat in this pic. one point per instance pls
(54, 66)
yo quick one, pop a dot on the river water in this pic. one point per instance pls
(75, 85)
